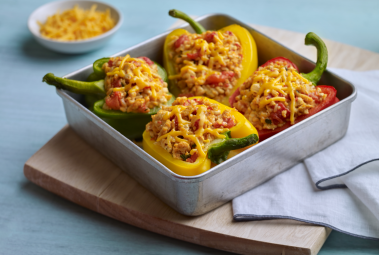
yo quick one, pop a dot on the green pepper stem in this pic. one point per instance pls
(79, 87)
(219, 152)
(322, 58)
(199, 29)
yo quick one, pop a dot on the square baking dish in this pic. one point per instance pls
(196, 195)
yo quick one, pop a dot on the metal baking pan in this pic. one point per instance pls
(199, 194)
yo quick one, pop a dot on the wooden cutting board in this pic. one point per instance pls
(70, 168)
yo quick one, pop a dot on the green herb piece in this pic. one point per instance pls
(184, 156)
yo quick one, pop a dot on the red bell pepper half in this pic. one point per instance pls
(286, 61)
(314, 77)
(329, 100)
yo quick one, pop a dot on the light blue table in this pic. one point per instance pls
(34, 221)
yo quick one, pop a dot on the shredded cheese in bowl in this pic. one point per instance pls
(76, 24)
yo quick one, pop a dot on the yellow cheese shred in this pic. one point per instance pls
(217, 54)
(142, 77)
(277, 84)
(76, 24)
(200, 115)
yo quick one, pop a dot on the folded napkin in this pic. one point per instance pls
(339, 186)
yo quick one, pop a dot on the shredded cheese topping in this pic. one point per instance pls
(200, 115)
(133, 85)
(187, 128)
(77, 24)
(142, 78)
(206, 64)
(274, 94)
(217, 53)
(284, 83)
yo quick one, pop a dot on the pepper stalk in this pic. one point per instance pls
(322, 58)
(79, 87)
(218, 152)
(94, 92)
(199, 29)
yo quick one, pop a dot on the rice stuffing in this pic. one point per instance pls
(188, 127)
(207, 64)
(276, 94)
(133, 85)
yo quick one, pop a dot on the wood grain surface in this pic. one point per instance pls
(70, 168)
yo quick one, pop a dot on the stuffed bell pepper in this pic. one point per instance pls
(277, 96)
(209, 63)
(122, 90)
(195, 132)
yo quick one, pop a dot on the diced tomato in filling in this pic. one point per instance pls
(143, 108)
(277, 117)
(113, 100)
(230, 123)
(193, 158)
(286, 97)
(147, 60)
(180, 41)
(315, 98)
(175, 119)
(116, 83)
(194, 55)
(194, 112)
(196, 125)
(229, 32)
(136, 63)
(110, 63)
(209, 37)
(216, 79)
(198, 101)
(238, 45)
(186, 95)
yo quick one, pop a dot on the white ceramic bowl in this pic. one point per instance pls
(72, 47)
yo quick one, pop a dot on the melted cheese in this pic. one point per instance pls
(216, 52)
(284, 83)
(77, 24)
(200, 115)
(142, 77)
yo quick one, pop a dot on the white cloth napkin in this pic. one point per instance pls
(339, 186)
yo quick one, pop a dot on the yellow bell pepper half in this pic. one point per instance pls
(249, 60)
(202, 164)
